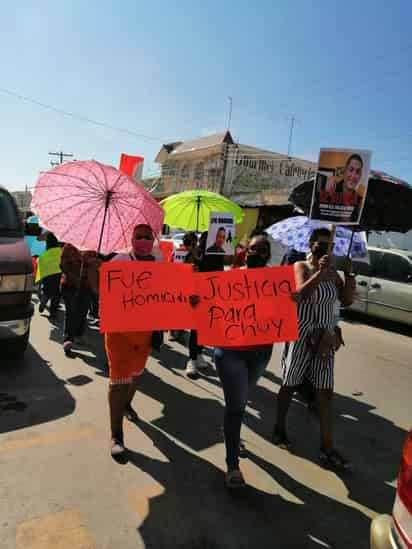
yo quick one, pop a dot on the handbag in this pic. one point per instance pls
(325, 341)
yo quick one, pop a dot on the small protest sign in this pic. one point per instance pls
(341, 184)
(221, 234)
(246, 307)
(145, 295)
(179, 255)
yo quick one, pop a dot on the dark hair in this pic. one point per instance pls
(316, 233)
(51, 242)
(264, 237)
(221, 229)
(190, 239)
(354, 157)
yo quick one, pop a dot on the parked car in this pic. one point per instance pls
(384, 286)
(16, 279)
(395, 532)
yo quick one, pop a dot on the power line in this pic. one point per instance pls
(79, 116)
(62, 155)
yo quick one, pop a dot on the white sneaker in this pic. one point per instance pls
(191, 369)
(201, 363)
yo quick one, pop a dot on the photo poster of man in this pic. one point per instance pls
(341, 184)
(221, 234)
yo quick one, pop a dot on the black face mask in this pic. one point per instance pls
(321, 249)
(256, 260)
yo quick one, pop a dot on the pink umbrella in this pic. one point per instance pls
(93, 206)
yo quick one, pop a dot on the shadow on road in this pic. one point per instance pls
(194, 488)
(30, 393)
(354, 317)
(372, 442)
(194, 421)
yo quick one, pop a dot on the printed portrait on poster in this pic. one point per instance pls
(341, 186)
(221, 234)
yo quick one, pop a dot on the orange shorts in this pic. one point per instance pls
(127, 354)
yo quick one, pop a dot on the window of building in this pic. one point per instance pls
(184, 171)
(199, 172)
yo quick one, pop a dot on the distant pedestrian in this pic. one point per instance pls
(80, 276)
(50, 285)
(203, 263)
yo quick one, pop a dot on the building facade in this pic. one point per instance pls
(23, 200)
(249, 176)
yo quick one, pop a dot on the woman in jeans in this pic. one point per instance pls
(239, 369)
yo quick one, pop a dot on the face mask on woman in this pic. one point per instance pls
(142, 246)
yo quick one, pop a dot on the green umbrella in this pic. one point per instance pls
(190, 210)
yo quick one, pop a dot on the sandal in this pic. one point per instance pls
(131, 414)
(335, 460)
(280, 439)
(234, 479)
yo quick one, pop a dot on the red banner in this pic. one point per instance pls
(145, 295)
(132, 166)
(246, 307)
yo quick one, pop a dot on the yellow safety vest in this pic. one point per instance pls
(48, 263)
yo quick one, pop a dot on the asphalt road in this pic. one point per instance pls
(59, 487)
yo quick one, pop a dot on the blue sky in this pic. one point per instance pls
(164, 69)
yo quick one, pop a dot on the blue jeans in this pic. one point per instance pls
(77, 304)
(238, 370)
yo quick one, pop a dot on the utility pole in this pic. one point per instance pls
(62, 155)
(292, 125)
(229, 121)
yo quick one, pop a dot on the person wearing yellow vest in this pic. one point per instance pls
(49, 273)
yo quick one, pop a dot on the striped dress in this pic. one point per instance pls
(298, 361)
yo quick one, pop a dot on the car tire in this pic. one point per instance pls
(16, 347)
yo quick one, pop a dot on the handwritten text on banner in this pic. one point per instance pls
(145, 295)
(246, 307)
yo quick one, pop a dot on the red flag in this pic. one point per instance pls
(132, 166)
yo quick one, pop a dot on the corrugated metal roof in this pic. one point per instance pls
(204, 142)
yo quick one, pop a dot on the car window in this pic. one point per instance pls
(9, 219)
(361, 268)
(396, 268)
(376, 260)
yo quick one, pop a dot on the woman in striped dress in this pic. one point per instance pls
(318, 288)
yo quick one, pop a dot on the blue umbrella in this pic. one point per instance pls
(295, 232)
